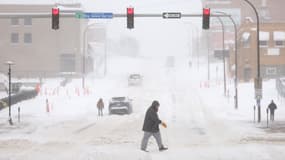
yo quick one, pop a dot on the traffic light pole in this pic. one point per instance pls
(208, 46)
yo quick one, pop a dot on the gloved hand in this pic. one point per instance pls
(164, 124)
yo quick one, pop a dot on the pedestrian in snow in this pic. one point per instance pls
(151, 127)
(100, 107)
(47, 106)
(272, 106)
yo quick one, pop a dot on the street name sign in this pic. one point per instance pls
(94, 15)
(171, 15)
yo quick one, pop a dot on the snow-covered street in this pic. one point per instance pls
(202, 124)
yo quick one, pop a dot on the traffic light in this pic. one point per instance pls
(206, 18)
(55, 18)
(130, 18)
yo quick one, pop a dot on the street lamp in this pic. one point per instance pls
(236, 65)
(9, 63)
(224, 61)
(85, 46)
(258, 80)
(84, 53)
(197, 41)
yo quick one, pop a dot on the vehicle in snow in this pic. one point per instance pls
(120, 105)
(134, 79)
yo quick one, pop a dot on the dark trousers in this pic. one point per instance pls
(100, 112)
(272, 116)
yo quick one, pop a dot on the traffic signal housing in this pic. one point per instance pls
(130, 18)
(206, 18)
(55, 18)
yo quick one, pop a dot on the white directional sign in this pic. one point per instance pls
(171, 15)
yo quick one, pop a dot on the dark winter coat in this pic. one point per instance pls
(272, 106)
(100, 104)
(151, 120)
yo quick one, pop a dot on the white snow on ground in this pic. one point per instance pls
(202, 123)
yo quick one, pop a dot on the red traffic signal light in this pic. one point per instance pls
(55, 11)
(206, 11)
(206, 18)
(55, 18)
(130, 18)
(130, 10)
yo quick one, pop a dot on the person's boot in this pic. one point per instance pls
(163, 148)
(144, 150)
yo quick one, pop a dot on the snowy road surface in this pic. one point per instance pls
(196, 128)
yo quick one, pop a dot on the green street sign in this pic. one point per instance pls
(94, 15)
(79, 15)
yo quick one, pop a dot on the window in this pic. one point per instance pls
(14, 38)
(28, 21)
(15, 21)
(263, 43)
(27, 38)
(279, 43)
(273, 51)
(279, 38)
(271, 70)
(263, 39)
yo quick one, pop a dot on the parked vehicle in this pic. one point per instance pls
(120, 105)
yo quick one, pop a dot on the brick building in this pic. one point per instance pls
(272, 51)
(271, 36)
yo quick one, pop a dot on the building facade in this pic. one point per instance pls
(271, 37)
(35, 48)
(272, 51)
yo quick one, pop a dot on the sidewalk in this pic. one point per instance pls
(273, 127)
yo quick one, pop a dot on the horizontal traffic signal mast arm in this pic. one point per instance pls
(160, 15)
(35, 15)
(72, 15)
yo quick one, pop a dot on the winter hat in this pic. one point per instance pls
(155, 103)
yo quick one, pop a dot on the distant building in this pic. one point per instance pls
(272, 38)
(272, 51)
(36, 49)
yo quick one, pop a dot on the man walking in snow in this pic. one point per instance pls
(100, 107)
(272, 106)
(151, 127)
